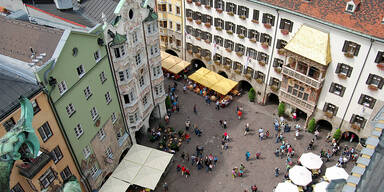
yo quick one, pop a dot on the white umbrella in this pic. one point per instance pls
(286, 187)
(300, 175)
(311, 160)
(321, 187)
(332, 173)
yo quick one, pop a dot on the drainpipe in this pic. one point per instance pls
(358, 79)
(84, 180)
(270, 62)
(112, 70)
(184, 54)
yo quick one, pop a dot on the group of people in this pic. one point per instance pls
(238, 172)
(209, 161)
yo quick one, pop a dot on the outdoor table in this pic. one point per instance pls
(213, 98)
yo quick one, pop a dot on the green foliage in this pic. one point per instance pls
(281, 109)
(251, 95)
(311, 125)
(168, 103)
(337, 134)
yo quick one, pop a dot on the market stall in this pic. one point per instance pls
(173, 64)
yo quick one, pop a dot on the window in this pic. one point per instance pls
(274, 82)
(80, 70)
(162, 7)
(219, 4)
(47, 178)
(263, 57)
(178, 43)
(102, 77)
(231, 7)
(228, 44)
(227, 61)
(128, 98)
(121, 75)
(177, 10)
(218, 40)
(134, 37)
(207, 19)
(56, 154)
(260, 75)
(45, 131)
(239, 48)
(255, 15)
(196, 16)
(253, 34)
(218, 58)
(62, 87)
(379, 57)
(65, 174)
(237, 66)
(158, 90)
(337, 89)
(94, 113)
(280, 44)
(367, 101)
(78, 131)
(156, 71)
(350, 7)
(8, 125)
(108, 97)
(252, 53)
(138, 59)
(170, 25)
(344, 69)
(330, 108)
(278, 63)
(35, 107)
(96, 55)
(351, 48)
(145, 99)
(87, 92)
(358, 120)
(286, 24)
(101, 134)
(70, 109)
(17, 188)
(86, 152)
(113, 117)
(219, 23)
(170, 8)
(375, 80)
(141, 81)
(241, 30)
(265, 38)
(230, 26)
(108, 153)
(134, 117)
(120, 51)
(298, 91)
(188, 13)
(94, 171)
(243, 11)
(178, 27)
(268, 19)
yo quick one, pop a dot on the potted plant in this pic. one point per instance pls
(239, 53)
(207, 41)
(198, 21)
(281, 109)
(241, 36)
(207, 58)
(189, 51)
(227, 67)
(230, 32)
(197, 55)
(259, 80)
(277, 69)
(219, 28)
(230, 13)
(267, 25)
(228, 50)
(253, 40)
(248, 76)
(255, 21)
(311, 125)
(262, 63)
(243, 17)
(337, 134)
(284, 31)
(328, 114)
(219, 10)
(342, 76)
(197, 3)
(372, 87)
(264, 45)
(189, 19)
(251, 95)
(207, 6)
(355, 126)
(274, 88)
(217, 62)
(208, 25)
(198, 38)
(238, 71)
(380, 65)
(281, 51)
(348, 54)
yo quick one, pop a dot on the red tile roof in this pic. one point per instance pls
(366, 19)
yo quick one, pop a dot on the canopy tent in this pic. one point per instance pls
(164, 55)
(179, 67)
(311, 160)
(332, 173)
(169, 62)
(142, 166)
(321, 187)
(300, 175)
(213, 81)
(173, 63)
(286, 187)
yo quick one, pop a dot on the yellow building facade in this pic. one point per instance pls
(170, 19)
(54, 163)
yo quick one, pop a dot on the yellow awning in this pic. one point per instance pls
(213, 81)
(179, 67)
(169, 62)
(164, 55)
(225, 86)
(312, 44)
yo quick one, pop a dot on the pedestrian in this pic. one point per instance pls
(254, 188)
(187, 173)
(194, 109)
(233, 173)
(187, 124)
(221, 123)
(225, 124)
(222, 144)
(294, 116)
(215, 160)
(277, 172)
(316, 134)
(247, 155)
(165, 186)
(225, 145)
(184, 89)
(352, 137)
(297, 134)
(178, 168)
(258, 154)
(166, 118)
(276, 124)
(267, 134)
(277, 152)
(239, 114)
(217, 105)
(261, 136)
(183, 170)
(246, 129)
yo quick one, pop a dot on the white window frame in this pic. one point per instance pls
(102, 77)
(108, 97)
(94, 113)
(141, 81)
(138, 59)
(94, 170)
(145, 100)
(109, 153)
(87, 151)
(57, 154)
(78, 131)
(101, 134)
(48, 177)
(134, 37)
(70, 108)
(62, 87)
(80, 71)
(45, 131)
(97, 56)
(113, 118)
(87, 92)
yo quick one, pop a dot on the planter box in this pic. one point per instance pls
(274, 88)
(207, 6)
(189, 1)
(281, 51)
(230, 13)
(380, 66)
(198, 38)
(348, 54)
(207, 58)
(248, 76)
(372, 87)
(227, 67)
(228, 50)
(262, 63)
(259, 81)
(197, 3)
(328, 114)
(217, 62)
(243, 17)
(198, 22)
(207, 41)
(267, 25)
(190, 19)
(219, 28)
(241, 36)
(190, 51)
(284, 31)
(238, 71)
(253, 40)
(230, 32)
(355, 126)
(208, 25)
(264, 45)
(240, 54)
(219, 10)
(197, 55)
(277, 69)
(255, 21)
(342, 76)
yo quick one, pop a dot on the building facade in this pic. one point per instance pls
(171, 24)
(54, 163)
(134, 47)
(247, 40)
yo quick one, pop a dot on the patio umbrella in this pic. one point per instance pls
(311, 160)
(333, 173)
(300, 175)
(321, 187)
(286, 187)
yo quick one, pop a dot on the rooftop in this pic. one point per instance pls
(366, 19)
(18, 37)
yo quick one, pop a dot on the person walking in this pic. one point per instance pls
(165, 187)
(277, 172)
(217, 105)
(195, 109)
(239, 114)
(184, 89)
(187, 124)
(247, 155)
(225, 124)
(246, 129)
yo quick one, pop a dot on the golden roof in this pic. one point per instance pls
(312, 44)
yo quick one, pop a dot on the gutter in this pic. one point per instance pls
(318, 20)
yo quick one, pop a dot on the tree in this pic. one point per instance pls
(337, 134)
(281, 109)
(251, 95)
(168, 103)
(311, 125)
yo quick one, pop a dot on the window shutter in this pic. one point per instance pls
(255, 14)
(281, 26)
(369, 79)
(262, 37)
(227, 6)
(342, 92)
(278, 44)
(257, 36)
(345, 47)
(247, 12)
(273, 20)
(372, 104)
(381, 83)
(325, 107)
(356, 50)
(338, 68)
(352, 118)
(332, 87)
(259, 56)
(264, 18)
(363, 124)
(290, 26)
(270, 81)
(361, 99)
(234, 8)
(335, 111)
(378, 57)
(349, 71)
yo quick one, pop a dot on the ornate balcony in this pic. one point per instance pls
(29, 170)
(303, 78)
(294, 101)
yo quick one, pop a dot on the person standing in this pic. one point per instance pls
(247, 155)
(187, 124)
(316, 134)
(239, 114)
(246, 129)
(165, 186)
(294, 116)
(225, 124)
(195, 109)
(217, 105)
(277, 172)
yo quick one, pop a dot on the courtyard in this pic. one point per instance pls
(258, 172)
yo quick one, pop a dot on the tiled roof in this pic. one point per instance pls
(16, 38)
(366, 19)
(93, 9)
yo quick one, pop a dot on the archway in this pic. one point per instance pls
(222, 73)
(350, 136)
(301, 114)
(140, 135)
(172, 52)
(272, 99)
(324, 124)
(197, 64)
(244, 85)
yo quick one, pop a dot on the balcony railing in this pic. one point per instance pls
(303, 78)
(293, 100)
(29, 170)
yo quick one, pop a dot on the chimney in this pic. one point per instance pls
(63, 4)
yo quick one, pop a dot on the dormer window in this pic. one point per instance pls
(351, 6)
